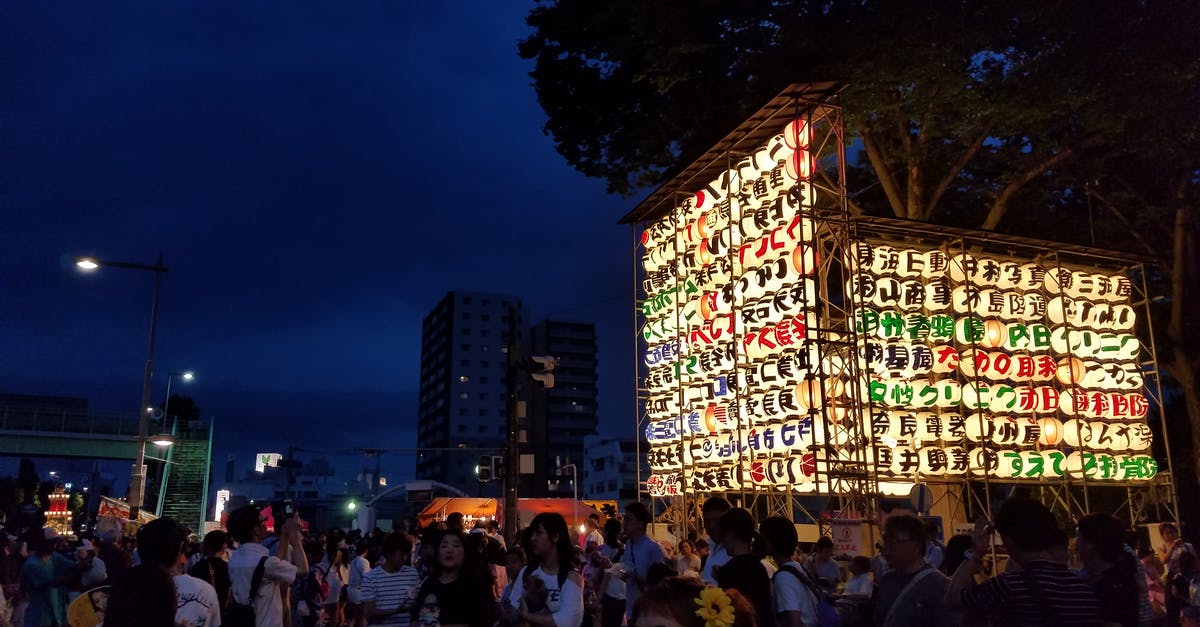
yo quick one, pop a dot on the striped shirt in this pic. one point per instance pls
(1041, 594)
(391, 591)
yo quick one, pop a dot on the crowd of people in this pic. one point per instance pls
(737, 573)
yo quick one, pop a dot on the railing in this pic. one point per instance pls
(23, 419)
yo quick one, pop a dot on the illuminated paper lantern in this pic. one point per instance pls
(1051, 431)
(798, 166)
(1140, 436)
(959, 461)
(1076, 433)
(1010, 276)
(994, 333)
(978, 427)
(809, 394)
(949, 393)
(1123, 317)
(963, 267)
(937, 264)
(983, 462)
(912, 263)
(804, 260)
(1071, 370)
(1011, 465)
(930, 427)
(796, 134)
(906, 461)
(934, 461)
(1054, 463)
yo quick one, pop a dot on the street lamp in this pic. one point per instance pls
(574, 486)
(187, 376)
(137, 478)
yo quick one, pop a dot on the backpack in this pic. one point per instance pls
(313, 591)
(827, 615)
(242, 615)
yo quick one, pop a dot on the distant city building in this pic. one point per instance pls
(464, 398)
(563, 416)
(610, 468)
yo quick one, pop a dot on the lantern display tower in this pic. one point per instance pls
(58, 513)
(810, 362)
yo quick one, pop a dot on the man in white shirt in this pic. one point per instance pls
(717, 555)
(247, 526)
(162, 542)
(794, 604)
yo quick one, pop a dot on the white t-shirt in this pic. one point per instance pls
(391, 591)
(359, 566)
(859, 584)
(616, 585)
(336, 578)
(789, 594)
(268, 605)
(565, 604)
(716, 558)
(196, 603)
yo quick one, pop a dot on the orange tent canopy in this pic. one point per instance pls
(575, 512)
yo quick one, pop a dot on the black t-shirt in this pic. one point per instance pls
(218, 576)
(1118, 596)
(747, 575)
(464, 601)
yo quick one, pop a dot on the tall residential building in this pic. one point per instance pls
(610, 468)
(463, 405)
(561, 417)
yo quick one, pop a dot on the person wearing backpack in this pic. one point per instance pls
(793, 599)
(258, 579)
(310, 594)
(910, 594)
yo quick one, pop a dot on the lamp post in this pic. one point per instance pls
(187, 376)
(137, 478)
(574, 488)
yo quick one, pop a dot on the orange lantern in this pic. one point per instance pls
(1051, 431)
(1070, 370)
(994, 333)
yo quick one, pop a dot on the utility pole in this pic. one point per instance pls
(512, 461)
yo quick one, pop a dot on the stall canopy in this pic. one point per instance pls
(575, 512)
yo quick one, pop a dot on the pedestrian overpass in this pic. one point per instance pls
(59, 433)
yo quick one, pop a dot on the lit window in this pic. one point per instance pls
(463, 396)
(464, 379)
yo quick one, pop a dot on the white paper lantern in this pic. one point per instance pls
(934, 461)
(1054, 463)
(983, 461)
(1051, 431)
(796, 133)
(1070, 370)
(1076, 433)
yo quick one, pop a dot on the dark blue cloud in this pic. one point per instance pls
(316, 177)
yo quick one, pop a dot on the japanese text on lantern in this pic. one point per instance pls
(728, 302)
(984, 365)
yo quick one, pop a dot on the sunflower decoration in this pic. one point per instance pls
(715, 607)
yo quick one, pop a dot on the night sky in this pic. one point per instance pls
(316, 177)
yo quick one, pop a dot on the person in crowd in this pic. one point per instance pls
(641, 552)
(1173, 550)
(612, 585)
(686, 602)
(859, 584)
(822, 566)
(335, 564)
(454, 522)
(956, 547)
(1042, 592)
(687, 563)
(116, 559)
(144, 596)
(551, 565)
(591, 532)
(309, 594)
(427, 558)
(514, 561)
(1155, 573)
(247, 526)
(388, 592)
(935, 551)
(912, 590)
(44, 577)
(358, 567)
(702, 551)
(213, 568)
(1108, 569)
(744, 571)
(711, 511)
(10, 575)
(162, 543)
(456, 592)
(793, 601)
(1180, 586)
(493, 532)
(97, 574)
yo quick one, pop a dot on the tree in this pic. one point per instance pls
(974, 113)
